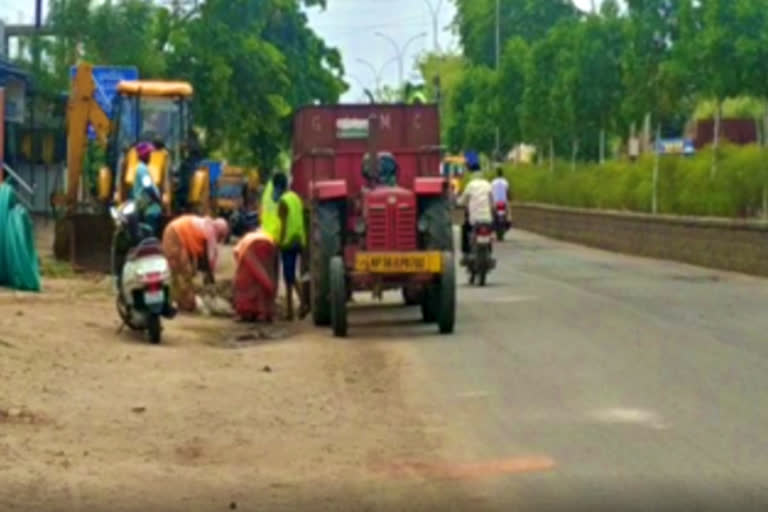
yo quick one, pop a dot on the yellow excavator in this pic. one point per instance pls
(150, 111)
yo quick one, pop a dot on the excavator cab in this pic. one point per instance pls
(156, 112)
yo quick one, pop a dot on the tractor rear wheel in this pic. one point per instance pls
(446, 296)
(339, 296)
(325, 244)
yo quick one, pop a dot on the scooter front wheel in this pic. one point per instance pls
(154, 328)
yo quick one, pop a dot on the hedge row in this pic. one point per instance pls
(685, 184)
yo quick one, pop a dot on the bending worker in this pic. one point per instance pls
(291, 239)
(190, 242)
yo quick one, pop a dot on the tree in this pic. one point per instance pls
(528, 19)
(538, 113)
(475, 110)
(511, 87)
(599, 90)
(251, 63)
(446, 71)
(123, 33)
(651, 32)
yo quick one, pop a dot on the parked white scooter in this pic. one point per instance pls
(143, 297)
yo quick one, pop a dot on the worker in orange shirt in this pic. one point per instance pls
(190, 242)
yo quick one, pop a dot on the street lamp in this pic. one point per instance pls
(376, 72)
(435, 12)
(498, 65)
(400, 53)
(365, 89)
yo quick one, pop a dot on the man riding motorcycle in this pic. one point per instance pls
(500, 188)
(501, 197)
(477, 198)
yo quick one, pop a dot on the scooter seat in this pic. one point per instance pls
(147, 247)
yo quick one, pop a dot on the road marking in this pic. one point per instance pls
(630, 416)
(472, 470)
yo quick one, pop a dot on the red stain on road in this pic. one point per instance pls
(471, 470)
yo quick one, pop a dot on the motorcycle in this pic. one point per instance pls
(501, 222)
(479, 262)
(143, 291)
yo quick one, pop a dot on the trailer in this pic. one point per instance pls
(378, 208)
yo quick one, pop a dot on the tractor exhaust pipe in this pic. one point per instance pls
(373, 154)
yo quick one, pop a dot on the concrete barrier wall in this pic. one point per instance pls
(736, 245)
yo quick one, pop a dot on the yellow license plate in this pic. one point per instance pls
(399, 263)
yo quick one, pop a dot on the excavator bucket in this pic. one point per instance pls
(85, 240)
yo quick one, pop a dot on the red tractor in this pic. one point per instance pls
(378, 208)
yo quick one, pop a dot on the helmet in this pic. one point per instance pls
(473, 160)
(144, 149)
(222, 228)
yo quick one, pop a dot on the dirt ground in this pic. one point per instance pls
(218, 417)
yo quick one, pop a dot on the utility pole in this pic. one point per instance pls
(435, 12)
(38, 14)
(498, 67)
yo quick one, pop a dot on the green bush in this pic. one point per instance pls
(685, 185)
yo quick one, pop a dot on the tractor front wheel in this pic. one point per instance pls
(338, 297)
(325, 244)
(446, 296)
(429, 304)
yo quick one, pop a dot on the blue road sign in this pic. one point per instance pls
(675, 147)
(107, 78)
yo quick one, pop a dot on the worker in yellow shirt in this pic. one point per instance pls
(292, 239)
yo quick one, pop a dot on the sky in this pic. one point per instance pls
(352, 27)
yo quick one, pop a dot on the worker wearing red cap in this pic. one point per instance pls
(145, 193)
(190, 242)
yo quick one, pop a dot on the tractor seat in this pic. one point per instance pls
(147, 247)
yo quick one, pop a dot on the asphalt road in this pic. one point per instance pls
(580, 379)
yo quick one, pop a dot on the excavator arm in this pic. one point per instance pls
(82, 110)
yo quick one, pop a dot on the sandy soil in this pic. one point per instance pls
(93, 419)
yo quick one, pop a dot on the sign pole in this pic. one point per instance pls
(655, 196)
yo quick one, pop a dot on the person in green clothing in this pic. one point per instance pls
(292, 239)
(268, 214)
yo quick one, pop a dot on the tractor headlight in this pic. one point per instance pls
(360, 226)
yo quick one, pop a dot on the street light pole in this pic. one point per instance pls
(400, 53)
(435, 12)
(367, 92)
(376, 72)
(498, 67)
